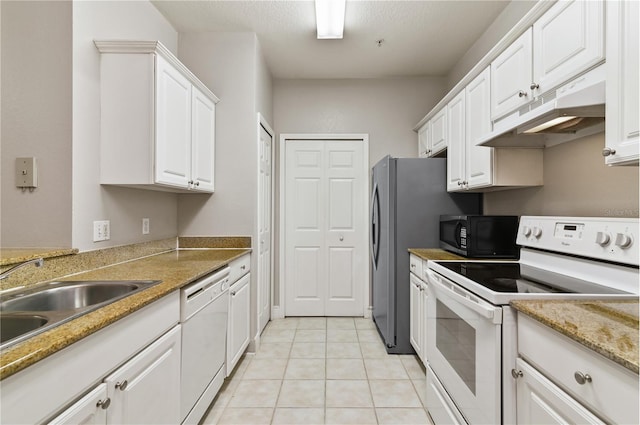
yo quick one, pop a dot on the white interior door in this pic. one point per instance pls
(264, 226)
(325, 227)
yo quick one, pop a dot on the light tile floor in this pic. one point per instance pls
(317, 370)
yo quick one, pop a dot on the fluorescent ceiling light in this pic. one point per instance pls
(330, 18)
(548, 124)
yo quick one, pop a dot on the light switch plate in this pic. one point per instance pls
(145, 226)
(26, 172)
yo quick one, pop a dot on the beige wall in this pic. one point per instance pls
(386, 109)
(36, 122)
(576, 183)
(124, 207)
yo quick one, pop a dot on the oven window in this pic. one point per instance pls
(456, 341)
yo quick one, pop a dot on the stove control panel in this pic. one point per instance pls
(611, 239)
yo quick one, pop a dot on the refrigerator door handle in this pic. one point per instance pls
(375, 226)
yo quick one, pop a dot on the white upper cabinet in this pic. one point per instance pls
(438, 128)
(457, 143)
(432, 136)
(423, 141)
(157, 120)
(564, 42)
(622, 83)
(567, 40)
(479, 159)
(511, 76)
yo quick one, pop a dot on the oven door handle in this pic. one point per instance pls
(447, 288)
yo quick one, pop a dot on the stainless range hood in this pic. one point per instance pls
(575, 110)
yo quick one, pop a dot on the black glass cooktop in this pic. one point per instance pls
(521, 278)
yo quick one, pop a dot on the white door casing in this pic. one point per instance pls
(265, 222)
(324, 215)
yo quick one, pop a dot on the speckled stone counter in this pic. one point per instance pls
(175, 268)
(608, 327)
(434, 254)
(19, 255)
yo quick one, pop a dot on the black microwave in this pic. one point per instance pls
(480, 236)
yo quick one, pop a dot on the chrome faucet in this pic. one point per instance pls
(38, 262)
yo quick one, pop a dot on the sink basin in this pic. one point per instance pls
(13, 326)
(27, 312)
(71, 296)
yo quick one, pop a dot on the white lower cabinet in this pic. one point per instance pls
(239, 320)
(561, 381)
(146, 390)
(418, 308)
(540, 401)
(89, 410)
(142, 349)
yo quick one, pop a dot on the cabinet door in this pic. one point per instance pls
(456, 149)
(415, 319)
(540, 401)
(511, 74)
(238, 330)
(622, 126)
(567, 39)
(89, 410)
(438, 130)
(146, 390)
(173, 125)
(202, 141)
(479, 159)
(423, 141)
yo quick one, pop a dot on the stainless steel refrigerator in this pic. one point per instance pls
(408, 197)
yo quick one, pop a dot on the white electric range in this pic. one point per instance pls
(471, 347)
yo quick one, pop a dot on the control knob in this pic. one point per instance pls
(603, 238)
(537, 232)
(526, 231)
(624, 241)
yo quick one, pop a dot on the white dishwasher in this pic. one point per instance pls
(203, 314)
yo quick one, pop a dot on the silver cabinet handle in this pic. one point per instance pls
(516, 374)
(122, 385)
(522, 94)
(341, 238)
(242, 267)
(582, 378)
(534, 86)
(104, 404)
(608, 151)
(233, 293)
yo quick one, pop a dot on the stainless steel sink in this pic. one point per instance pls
(27, 312)
(15, 325)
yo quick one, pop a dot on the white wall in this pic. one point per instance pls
(36, 121)
(124, 207)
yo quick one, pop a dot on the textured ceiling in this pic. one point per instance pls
(420, 37)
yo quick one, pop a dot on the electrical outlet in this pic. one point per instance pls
(101, 230)
(145, 226)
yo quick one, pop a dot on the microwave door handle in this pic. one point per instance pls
(439, 284)
(456, 235)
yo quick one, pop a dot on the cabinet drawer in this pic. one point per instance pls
(239, 267)
(612, 391)
(415, 265)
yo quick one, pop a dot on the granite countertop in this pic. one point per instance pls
(608, 327)
(19, 255)
(175, 268)
(434, 254)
